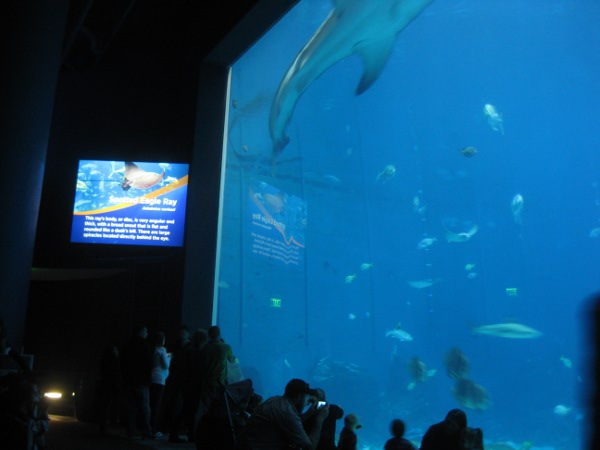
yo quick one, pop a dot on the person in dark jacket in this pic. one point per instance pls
(109, 387)
(136, 368)
(328, 434)
(397, 442)
(445, 435)
(348, 439)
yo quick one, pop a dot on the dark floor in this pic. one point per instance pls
(66, 433)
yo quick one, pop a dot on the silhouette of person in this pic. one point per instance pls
(471, 439)
(348, 439)
(4, 345)
(160, 371)
(328, 433)
(109, 387)
(445, 435)
(213, 359)
(136, 366)
(276, 423)
(397, 442)
(594, 334)
(174, 387)
(193, 380)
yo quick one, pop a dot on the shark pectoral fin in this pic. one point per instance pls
(374, 55)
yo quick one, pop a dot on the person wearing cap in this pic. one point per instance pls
(276, 423)
(348, 439)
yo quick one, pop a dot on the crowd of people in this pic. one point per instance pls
(302, 419)
(182, 393)
(162, 392)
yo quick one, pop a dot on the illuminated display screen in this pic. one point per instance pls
(130, 203)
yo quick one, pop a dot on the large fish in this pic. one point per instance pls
(508, 330)
(138, 178)
(464, 236)
(471, 395)
(367, 28)
(399, 333)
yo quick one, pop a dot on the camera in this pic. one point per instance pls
(321, 404)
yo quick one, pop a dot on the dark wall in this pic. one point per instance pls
(127, 90)
(30, 48)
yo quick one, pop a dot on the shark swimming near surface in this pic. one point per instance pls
(366, 28)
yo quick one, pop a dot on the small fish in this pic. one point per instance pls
(468, 152)
(287, 363)
(399, 333)
(171, 180)
(81, 186)
(469, 267)
(350, 278)
(517, 208)
(89, 167)
(472, 275)
(426, 243)
(418, 207)
(164, 166)
(509, 330)
(562, 410)
(416, 201)
(595, 233)
(80, 203)
(332, 178)
(421, 284)
(223, 284)
(366, 266)
(494, 117)
(566, 361)
(351, 316)
(386, 174)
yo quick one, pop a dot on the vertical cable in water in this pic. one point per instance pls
(367, 215)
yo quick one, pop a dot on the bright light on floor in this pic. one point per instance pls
(53, 395)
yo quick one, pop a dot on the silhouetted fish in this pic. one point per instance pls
(471, 395)
(456, 363)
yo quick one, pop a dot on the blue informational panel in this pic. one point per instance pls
(129, 203)
(276, 224)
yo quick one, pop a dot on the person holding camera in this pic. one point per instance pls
(276, 424)
(328, 432)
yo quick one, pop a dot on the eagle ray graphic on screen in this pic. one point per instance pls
(367, 28)
(139, 178)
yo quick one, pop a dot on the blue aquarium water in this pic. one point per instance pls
(433, 242)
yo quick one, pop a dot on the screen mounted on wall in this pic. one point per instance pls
(130, 203)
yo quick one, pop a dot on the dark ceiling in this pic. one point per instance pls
(101, 31)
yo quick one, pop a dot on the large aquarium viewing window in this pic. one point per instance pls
(411, 213)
